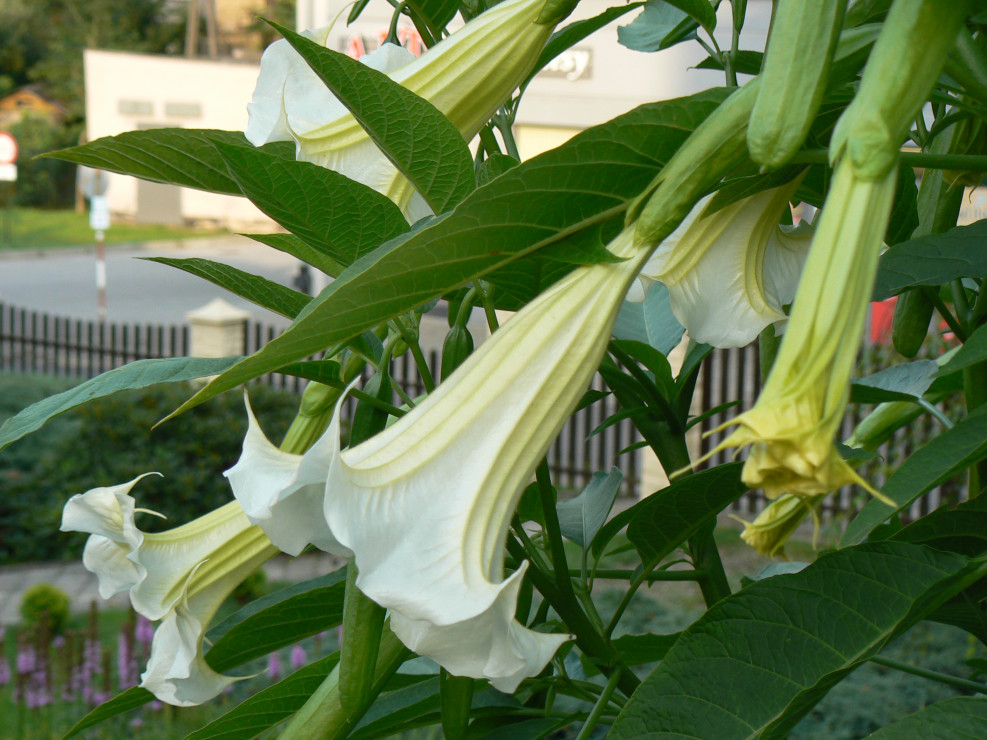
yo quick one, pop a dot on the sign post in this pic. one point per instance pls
(8, 176)
(94, 184)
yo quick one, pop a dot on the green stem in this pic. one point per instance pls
(590, 641)
(489, 310)
(974, 162)
(418, 355)
(768, 343)
(945, 420)
(975, 385)
(377, 403)
(660, 575)
(946, 314)
(600, 706)
(963, 311)
(945, 678)
(553, 532)
(503, 125)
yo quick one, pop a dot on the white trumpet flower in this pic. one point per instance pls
(180, 576)
(730, 273)
(424, 506)
(466, 76)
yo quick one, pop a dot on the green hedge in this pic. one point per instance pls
(111, 441)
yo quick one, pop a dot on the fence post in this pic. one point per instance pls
(217, 329)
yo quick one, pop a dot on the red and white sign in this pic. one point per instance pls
(8, 148)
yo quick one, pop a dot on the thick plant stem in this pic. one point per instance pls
(589, 639)
(674, 456)
(323, 717)
(975, 385)
(600, 706)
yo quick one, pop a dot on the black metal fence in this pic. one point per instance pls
(36, 342)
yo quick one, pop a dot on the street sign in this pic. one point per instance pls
(92, 183)
(8, 148)
(8, 173)
(99, 213)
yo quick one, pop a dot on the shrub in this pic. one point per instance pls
(45, 604)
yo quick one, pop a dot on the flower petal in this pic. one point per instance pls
(425, 504)
(491, 645)
(283, 493)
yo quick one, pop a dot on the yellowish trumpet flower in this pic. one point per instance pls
(467, 76)
(791, 427)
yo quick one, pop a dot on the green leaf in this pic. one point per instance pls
(493, 167)
(332, 213)
(659, 26)
(270, 706)
(420, 141)
(973, 351)
(435, 13)
(967, 610)
(933, 260)
(326, 372)
(291, 244)
(581, 517)
(700, 10)
(650, 321)
(572, 34)
(904, 213)
(398, 709)
(587, 180)
(792, 637)
(930, 465)
(178, 156)
(276, 620)
(666, 519)
(508, 729)
(267, 293)
(961, 530)
(138, 374)
(960, 717)
(745, 62)
(905, 382)
(641, 649)
(130, 699)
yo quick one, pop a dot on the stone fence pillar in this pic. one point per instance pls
(217, 329)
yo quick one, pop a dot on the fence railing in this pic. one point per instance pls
(35, 342)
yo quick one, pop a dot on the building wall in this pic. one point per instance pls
(126, 91)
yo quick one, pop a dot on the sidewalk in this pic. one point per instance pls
(81, 585)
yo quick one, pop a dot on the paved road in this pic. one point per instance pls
(62, 282)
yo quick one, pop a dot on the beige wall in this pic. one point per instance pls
(127, 91)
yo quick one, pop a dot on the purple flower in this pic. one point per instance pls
(144, 632)
(274, 666)
(298, 657)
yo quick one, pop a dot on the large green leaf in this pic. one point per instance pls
(267, 293)
(935, 462)
(138, 374)
(125, 701)
(581, 517)
(332, 213)
(270, 706)
(962, 530)
(178, 156)
(276, 620)
(650, 321)
(958, 718)
(586, 181)
(759, 660)
(669, 517)
(659, 26)
(435, 13)
(420, 141)
(905, 382)
(933, 260)
(291, 244)
(973, 351)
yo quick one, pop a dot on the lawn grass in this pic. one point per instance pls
(36, 228)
